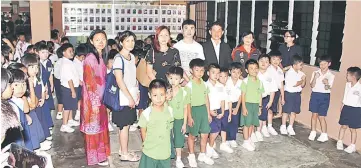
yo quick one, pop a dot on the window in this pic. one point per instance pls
(201, 21)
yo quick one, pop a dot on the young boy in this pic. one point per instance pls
(233, 89)
(80, 53)
(321, 83)
(351, 109)
(179, 104)
(217, 98)
(270, 87)
(155, 124)
(276, 70)
(199, 116)
(252, 90)
(295, 80)
(109, 65)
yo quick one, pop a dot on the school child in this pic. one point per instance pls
(80, 52)
(57, 85)
(270, 87)
(252, 90)
(155, 124)
(350, 116)
(321, 84)
(179, 104)
(279, 98)
(21, 46)
(233, 89)
(200, 116)
(69, 80)
(295, 80)
(109, 65)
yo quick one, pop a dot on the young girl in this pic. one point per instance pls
(80, 52)
(69, 80)
(110, 61)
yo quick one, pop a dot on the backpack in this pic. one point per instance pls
(147, 111)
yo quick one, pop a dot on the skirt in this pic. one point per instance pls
(97, 147)
(125, 117)
(47, 113)
(42, 119)
(36, 131)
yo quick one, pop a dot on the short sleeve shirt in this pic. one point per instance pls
(158, 126)
(68, 72)
(278, 74)
(352, 95)
(217, 94)
(162, 61)
(198, 92)
(269, 82)
(179, 101)
(319, 86)
(291, 79)
(252, 89)
(233, 90)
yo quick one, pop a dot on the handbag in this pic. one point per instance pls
(111, 93)
(142, 75)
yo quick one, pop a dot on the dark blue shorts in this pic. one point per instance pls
(224, 121)
(144, 98)
(69, 102)
(276, 99)
(216, 123)
(319, 103)
(264, 112)
(79, 93)
(350, 116)
(292, 102)
(57, 87)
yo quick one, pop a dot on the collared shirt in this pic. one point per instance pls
(217, 48)
(68, 72)
(217, 94)
(79, 68)
(291, 79)
(43, 63)
(269, 82)
(233, 90)
(352, 95)
(278, 74)
(319, 86)
(57, 68)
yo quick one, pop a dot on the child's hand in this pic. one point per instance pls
(244, 112)
(269, 105)
(190, 121)
(73, 95)
(209, 118)
(235, 111)
(303, 77)
(283, 101)
(325, 81)
(52, 89)
(41, 103)
(219, 116)
(28, 119)
(184, 129)
(259, 111)
(229, 118)
(213, 113)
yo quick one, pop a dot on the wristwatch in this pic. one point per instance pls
(260, 106)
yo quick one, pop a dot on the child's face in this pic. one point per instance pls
(198, 72)
(263, 63)
(33, 70)
(19, 88)
(110, 63)
(298, 66)
(324, 65)
(236, 74)
(276, 61)
(169, 95)
(43, 54)
(350, 77)
(252, 70)
(223, 77)
(213, 74)
(69, 53)
(114, 46)
(22, 38)
(81, 57)
(174, 79)
(8, 92)
(158, 96)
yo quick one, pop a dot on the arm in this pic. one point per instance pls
(303, 81)
(282, 90)
(244, 109)
(26, 105)
(208, 109)
(51, 80)
(119, 78)
(90, 86)
(314, 77)
(271, 99)
(143, 133)
(33, 103)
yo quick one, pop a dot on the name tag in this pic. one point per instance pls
(357, 93)
(50, 69)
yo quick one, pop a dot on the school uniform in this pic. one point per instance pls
(279, 76)
(292, 94)
(233, 92)
(351, 110)
(253, 90)
(320, 97)
(68, 72)
(270, 86)
(41, 111)
(217, 94)
(79, 69)
(46, 71)
(57, 85)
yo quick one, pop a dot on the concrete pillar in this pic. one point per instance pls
(15, 5)
(57, 16)
(40, 20)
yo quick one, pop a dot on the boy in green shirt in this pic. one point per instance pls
(179, 103)
(155, 124)
(199, 114)
(252, 90)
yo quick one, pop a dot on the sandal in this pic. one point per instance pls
(129, 157)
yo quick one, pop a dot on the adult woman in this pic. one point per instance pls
(161, 57)
(124, 70)
(245, 51)
(94, 118)
(289, 49)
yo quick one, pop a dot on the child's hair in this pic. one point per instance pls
(174, 70)
(275, 53)
(111, 42)
(30, 47)
(168, 86)
(16, 65)
(63, 48)
(6, 78)
(54, 35)
(41, 46)
(82, 49)
(124, 35)
(251, 62)
(51, 46)
(156, 84)
(214, 65)
(354, 71)
(139, 53)
(235, 65)
(224, 70)
(64, 39)
(29, 60)
(196, 63)
(325, 58)
(18, 76)
(21, 34)
(264, 56)
(297, 59)
(5, 52)
(111, 55)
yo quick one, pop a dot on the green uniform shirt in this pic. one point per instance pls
(179, 101)
(198, 92)
(252, 89)
(158, 124)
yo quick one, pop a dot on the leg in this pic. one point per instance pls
(224, 136)
(66, 116)
(178, 152)
(284, 118)
(314, 121)
(246, 134)
(79, 105)
(279, 107)
(260, 126)
(70, 115)
(341, 134)
(323, 123)
(191, 139)
(123, 138)
(270, 117)
(60, 107)
(212, 138)
(292, 118)
(251, 130)
(353, 135)
(204, 138)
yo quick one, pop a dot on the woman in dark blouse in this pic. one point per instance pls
(289, 49)
(161, 57)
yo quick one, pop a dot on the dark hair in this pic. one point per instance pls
(297, 59)
(111, 55)
(18, 76)
(111, 42)
(235, 65)
(21, 34)
(15, 65)
(224, 70)
(64, 39)
(28, 38)
(54, 35)
(173, 41)
(174, 70)
(82, 49)
(30, 47)
(214, 65)
(63, 48)
(139, 53)
(41, 46)
(139, 44)
(244, 34)
(156, 41)
(292, 34)
(354, 71)
(325, 58)
(251, 62)
(196, 63)
(124, 35)
(157, 84)
(216, 23)
(179, 37)
(51, 46)
(5, 52)
(29, 60)
(264, 56)
(93, 50)
(275, 53)
(6, 78)
(188, 22)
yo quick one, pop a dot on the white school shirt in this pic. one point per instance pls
(319, 86)
(79, 68)
(53, 58)
(129, 77)
(233, 90)
(352, 95)
(278, 75)
(217, 93)
(43, 63)
(269, 82)
(68, 72)
(188, 52)
(57, 68)
(217, 48)
(291, 79)
(36, 82)
(18, 103)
